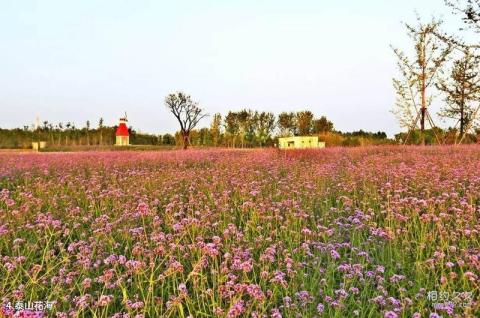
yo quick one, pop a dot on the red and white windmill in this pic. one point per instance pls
(122, 134)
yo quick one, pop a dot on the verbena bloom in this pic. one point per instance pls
(104, 300)
(237, 309)
(276, 313)
(320, 308)
(334, 254)
(182, 288)
(390, 314)
(131, 222)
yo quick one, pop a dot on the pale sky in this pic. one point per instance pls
(82, 60)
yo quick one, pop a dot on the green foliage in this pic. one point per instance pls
(322, 125)
(448, 136)
(462, 90)
(168, 139)
(287, 123)
(69, 135)
(304, 123)
(419, 72)
(245, 128)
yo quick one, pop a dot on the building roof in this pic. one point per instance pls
(298, 137)
(122, 130)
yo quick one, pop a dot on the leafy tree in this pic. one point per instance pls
(100, 128)
(168, 139)
(287, 123)
(304, 120)
(265, 124)
(245, 124)
(204, 137)
(322, 125)
(419, 74)
(215, 129)
(186, 111)
(462, 90)
(87, 127)
(232, 126)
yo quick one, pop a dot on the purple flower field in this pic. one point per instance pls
(364, 232)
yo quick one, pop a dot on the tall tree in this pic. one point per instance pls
(60, 131)
(232, 126)
(168, 139)
(419, 74)
(304, 120)
(100, 128)
(186, 111)
(462, 90)
(287, 123)
(68, 125)
(215, 128)
(265, 124)
(322, 125)
(245, 124)
(87, 128)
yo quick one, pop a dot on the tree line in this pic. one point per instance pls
(440, 64)
(249, 128)
(67, 134)
(245, 128)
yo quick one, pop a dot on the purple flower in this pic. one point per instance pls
(104, 300)
(237, 309)
(182, 288)
(334, 254)
(255, 291)
(320, 308)
(276, 313)
(397, 278)
(304, 297)
(390, 314)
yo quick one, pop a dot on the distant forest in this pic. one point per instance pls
(241, 129)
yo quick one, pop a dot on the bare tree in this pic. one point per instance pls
(186, 111)
(419, 74)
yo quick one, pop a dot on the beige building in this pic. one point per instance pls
(300, 142)
(37, 145)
